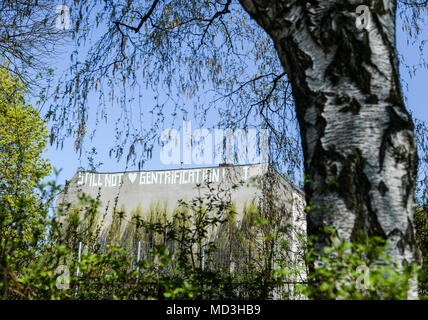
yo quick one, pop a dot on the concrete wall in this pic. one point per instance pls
(168, 187)
(147, 187)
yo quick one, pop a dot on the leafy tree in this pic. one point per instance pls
(23, 138)
(23, 208)
(29, 37)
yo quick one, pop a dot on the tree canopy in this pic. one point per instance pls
(23, 139)
(177, 49)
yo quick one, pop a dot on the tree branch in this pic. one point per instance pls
(267, 97)
(143, 19)
(215, 16)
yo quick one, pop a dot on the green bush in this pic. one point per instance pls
(357, 271)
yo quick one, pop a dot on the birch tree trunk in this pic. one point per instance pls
(354, 126)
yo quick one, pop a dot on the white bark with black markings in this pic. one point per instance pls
(354, 125)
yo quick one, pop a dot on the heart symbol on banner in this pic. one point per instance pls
(132, 177)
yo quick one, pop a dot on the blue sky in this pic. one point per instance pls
(414, 88)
